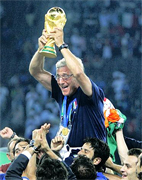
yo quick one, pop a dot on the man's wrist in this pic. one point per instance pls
(64, 45)
(27, 154)
(46, 148)
(33, 148)
(39, 53)
(14, 133)
(32, 144)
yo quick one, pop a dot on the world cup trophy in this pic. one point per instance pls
(55, 17)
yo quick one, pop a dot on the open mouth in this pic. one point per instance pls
(124, 176)
(64, 87)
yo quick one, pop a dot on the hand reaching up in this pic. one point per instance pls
(6, 133)
(57, 143)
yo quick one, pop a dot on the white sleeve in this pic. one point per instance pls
(27, 154)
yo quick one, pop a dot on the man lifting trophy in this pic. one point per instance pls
(55, 17)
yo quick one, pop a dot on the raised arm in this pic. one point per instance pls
(45, 146)
(113, 166)
(57, 143)
(7, 133)
(36, 67)
(121, 145)
(73, 63)
(16, 169)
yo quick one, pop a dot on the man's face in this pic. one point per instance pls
(10, 155)
(138, 168)
(66, 81)
(20, 148)
(87, 151)
(129, 168)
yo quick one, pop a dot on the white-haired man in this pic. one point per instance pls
(79, 98)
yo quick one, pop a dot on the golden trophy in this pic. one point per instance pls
(55, 17)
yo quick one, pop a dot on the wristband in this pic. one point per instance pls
(14, 133)
(32, 145)
(63, 46)
(34, 148)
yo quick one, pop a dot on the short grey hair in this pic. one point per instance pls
(62, 63)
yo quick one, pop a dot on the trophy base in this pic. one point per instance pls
(49, 52)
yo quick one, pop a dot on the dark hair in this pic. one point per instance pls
(101, 150)
(134, 152)
(20, 140)
(139, 176)
(83, 168)
(52, 169)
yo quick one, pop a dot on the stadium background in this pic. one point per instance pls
(105, 34)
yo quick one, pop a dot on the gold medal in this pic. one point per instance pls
(65, 131)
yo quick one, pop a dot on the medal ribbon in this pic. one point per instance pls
(66, 115)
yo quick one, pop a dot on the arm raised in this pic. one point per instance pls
(36, 67)
(73, 63)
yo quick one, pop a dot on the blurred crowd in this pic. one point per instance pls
(106, 35)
